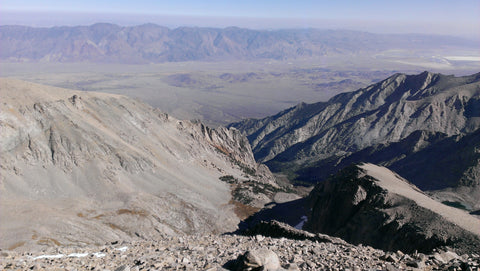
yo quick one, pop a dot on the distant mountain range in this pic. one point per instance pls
(149, 43)
(424, 126)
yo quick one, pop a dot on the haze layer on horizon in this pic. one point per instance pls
(457, 18)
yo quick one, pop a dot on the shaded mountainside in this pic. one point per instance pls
(85, 168)
(431, 160)
(372, 205)
(386, 123)
(151, 43)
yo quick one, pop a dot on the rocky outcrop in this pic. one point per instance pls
(368, 204)
(278, 229)
(84, 167)
(401, 115)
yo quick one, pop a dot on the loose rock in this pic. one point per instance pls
(232, 252)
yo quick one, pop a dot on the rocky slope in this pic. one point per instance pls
(368, 204)
(387, 122)
(100, 181)
(151, 43)
(85, 168)
(421, 158)
(232, 252)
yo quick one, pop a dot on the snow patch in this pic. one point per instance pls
(75, 255)
(78, 255)
(299, 226)
(49, 256)
(99, 254)
(122, 249)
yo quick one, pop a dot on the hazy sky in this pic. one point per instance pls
(460, 17)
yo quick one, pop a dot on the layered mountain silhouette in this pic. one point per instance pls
(423, 126)
(151, 43)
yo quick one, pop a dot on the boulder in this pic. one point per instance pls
(259, 259)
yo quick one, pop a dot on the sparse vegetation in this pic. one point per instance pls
(266, 188)
(48, 242)
(239, 195)
(16, 245)
(142, 213)
(242, 210)
(247, 170)
(222, 150)
(228, 179)
(114, 227)
(242, 188)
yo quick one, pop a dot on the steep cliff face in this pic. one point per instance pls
(371, 205)
(82, 167)
(411, 110)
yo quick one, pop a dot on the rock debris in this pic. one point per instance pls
(231, 252)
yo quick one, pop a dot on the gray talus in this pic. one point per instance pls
(82, 167)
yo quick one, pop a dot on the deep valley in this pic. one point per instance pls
(149, 148)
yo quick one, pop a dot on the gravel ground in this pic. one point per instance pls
(212, 252)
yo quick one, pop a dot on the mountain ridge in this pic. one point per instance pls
(372, 205)
(348, 107)
(150, 43)
(305, 140)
